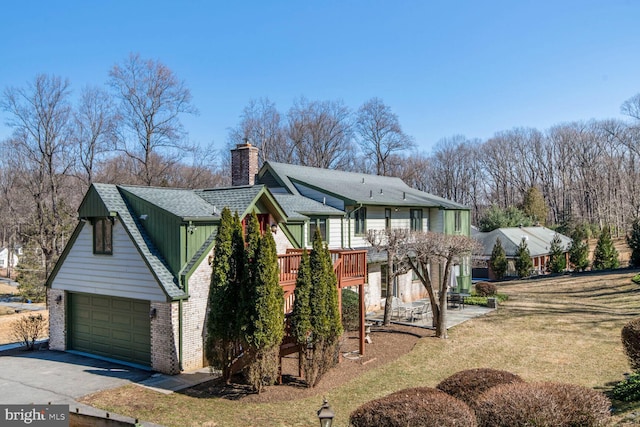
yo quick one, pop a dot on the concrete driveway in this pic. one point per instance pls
(45, 376)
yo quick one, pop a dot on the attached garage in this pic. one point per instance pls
(112, 327)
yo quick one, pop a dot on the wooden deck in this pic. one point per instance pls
(350, 267)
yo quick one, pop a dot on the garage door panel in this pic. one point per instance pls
(110, 326)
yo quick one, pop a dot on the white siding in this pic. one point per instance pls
(123, 274)
(436, 220)
(335, 232)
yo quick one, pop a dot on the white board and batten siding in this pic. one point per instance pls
(123, 274)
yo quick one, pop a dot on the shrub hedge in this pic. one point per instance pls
(414, 407)
(631, 342)
(627, 390)
(468, 385)
(542, 405)
(486, 289)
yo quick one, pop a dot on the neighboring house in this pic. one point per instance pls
(132, 283)
(538, 242)
(9, 258)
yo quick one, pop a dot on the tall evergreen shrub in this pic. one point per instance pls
(605, 256)
(523, 260)
(633, 240)
(557, 258)
(498, 260)
(266, 330)
(579, 250)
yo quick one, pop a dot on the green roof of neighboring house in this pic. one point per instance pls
(538, 240)
(352, 187)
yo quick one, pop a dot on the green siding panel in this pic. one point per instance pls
(112, 327)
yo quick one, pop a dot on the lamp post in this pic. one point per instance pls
(325, 415)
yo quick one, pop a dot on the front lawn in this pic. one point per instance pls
(563, 329)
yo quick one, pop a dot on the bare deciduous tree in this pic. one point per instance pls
(41, 160)
(380, 134)
(152, 99)
(429, 249)
(320, 133)
(393, 241)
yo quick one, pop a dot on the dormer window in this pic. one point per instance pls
(103, 236)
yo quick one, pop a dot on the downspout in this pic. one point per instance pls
(180, 335)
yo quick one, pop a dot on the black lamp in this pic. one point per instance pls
(325, 415)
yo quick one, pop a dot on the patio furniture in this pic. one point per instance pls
(420, 311)
(455, 300)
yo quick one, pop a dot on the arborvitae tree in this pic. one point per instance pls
(31, 275)
(323, 328)
(557, 258)
(266, 330)
(221, 320)
(605, 255)
(301, 328)
(498, 260)
(579, 250)
(247, 295)
(534, 206)
(633, 240)
(523, 260)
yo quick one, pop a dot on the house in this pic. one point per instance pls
(9, 258)
(538, 241)
(132, 283)
(365, 202)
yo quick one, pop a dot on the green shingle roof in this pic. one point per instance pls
(357, 188)
(179, 202)
(237, 199)
(299, 207)
(114, 202)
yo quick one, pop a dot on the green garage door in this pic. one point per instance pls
(110, 326)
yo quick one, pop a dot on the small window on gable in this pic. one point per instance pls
(317, 224)
(387, 218)
(103, 236)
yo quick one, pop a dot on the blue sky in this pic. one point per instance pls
(445, 67)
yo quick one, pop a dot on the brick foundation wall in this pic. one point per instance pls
(194, 326)
(164, 338)
(57, 317)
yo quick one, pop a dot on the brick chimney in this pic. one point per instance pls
(244, 164)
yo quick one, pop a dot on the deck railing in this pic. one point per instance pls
(350, 267)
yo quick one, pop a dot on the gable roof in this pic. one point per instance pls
(115, 205)
(352, 187)
(538, 240)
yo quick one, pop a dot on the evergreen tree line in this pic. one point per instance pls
(605, 256)
(245, 322)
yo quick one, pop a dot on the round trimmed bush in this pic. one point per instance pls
(631, 342)
(414, 407)
(486, 289)
(468, 385)
(542, 405)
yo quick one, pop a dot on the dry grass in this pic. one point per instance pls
(564, 329)
(8, 289)
(6, 330)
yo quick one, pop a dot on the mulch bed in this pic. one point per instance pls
(388, 344)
